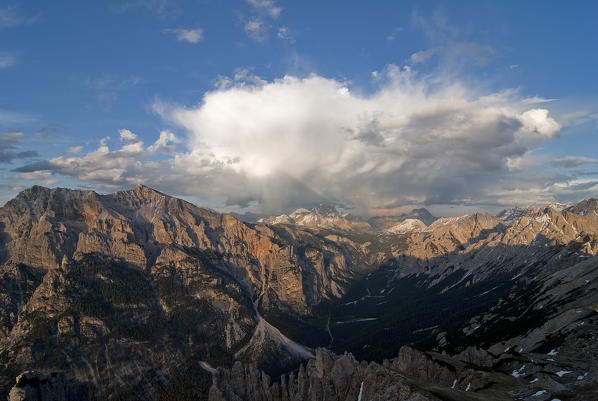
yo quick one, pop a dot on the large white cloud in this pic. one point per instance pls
(408, 142)
(286, 143)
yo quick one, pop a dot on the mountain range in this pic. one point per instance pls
(138, 295)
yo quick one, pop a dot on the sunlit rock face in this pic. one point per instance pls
(123, 290)
(136, 292)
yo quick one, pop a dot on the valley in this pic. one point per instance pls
(145, 296)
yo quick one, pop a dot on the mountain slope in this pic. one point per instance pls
(130, 286)
(137, 292)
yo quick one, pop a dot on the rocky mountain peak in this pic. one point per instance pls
(386, 222)
(324, 215)
(587, 207)
(324, 210)
(407, 225)
(144, 191)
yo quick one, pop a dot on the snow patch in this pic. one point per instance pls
(553, 352)
(562, 373)
(468, 387)
(406, 226)
(360, 392)
(487, 292)
(539, 393)
(518, 372)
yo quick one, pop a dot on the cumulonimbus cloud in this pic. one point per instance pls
(281, 144)
(405, 143)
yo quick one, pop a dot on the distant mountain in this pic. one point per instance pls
(247, 217)
(588, 207)
(406, 226)
(526, 295)
(325, 216)
(512, 214)
(145, 296)
(382, 223)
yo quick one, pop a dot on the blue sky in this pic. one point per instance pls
(267, 105)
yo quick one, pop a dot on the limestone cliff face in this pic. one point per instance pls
(43, 227)
(482, 245)
(127, 290)
(130, 291)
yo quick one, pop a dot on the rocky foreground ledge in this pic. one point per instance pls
(327, 377)
(35, 386)
(412, 375)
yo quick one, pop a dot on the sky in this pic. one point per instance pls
(265, 106)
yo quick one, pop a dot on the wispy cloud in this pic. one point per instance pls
(107, 88)
(285, 34)
(393, 34)
(448, 43)
(193, 36)
(74, 150)
(7, 60)
(10, 143)
(260, 24)
(11, 118)
(127, 165)
(573, 161)
(455, 53)
(256, 28)
(44, 176)
(537, 100)
(10, 17)
(158, 7)
(266, 7)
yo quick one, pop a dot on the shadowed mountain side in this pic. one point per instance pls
(131, 291)
(388, 308)
(539, 343)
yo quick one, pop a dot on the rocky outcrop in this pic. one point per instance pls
(587, 207)
(124, 289)
(41, 227)
(35, 386)
(327, 377)
(129, 291)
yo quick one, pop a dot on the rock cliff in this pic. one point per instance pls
(123, 290)
(35, 386)
(137, 292)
